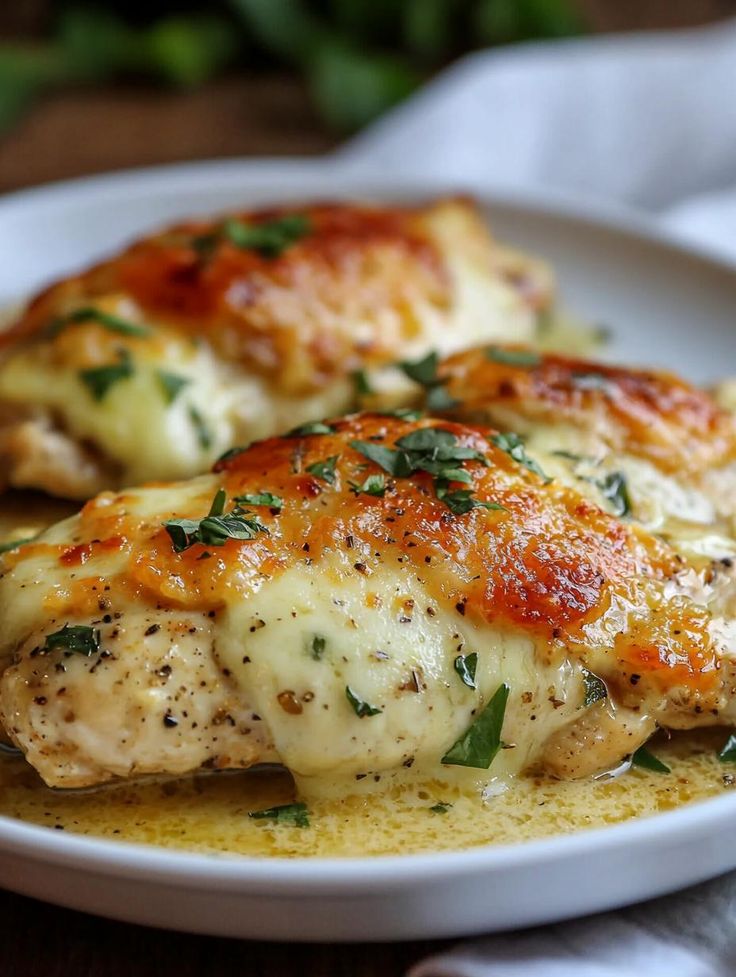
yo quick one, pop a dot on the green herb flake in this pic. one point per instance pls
(465, 666)
(270, 238)
(204, 435)
(462, 501)
(727, 753)
(423, 371)
(513, 357)
(294, 814)
(318, 646)
(313, 427)
(99, 379)
(595, 688)
(615, 490)
(89, 313)
(480, 743)
(230, 454)
(360, 707)
(514, 447)
(216, 527)
(647, 761)
(373, 485)
(441, 807)
(403, 413)
(171, 384)
(324, 470)
(261, 498)
(14, 544)
(362, 383)
(78, 638)
(394, 462)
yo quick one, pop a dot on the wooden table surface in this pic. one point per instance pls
(76, 133)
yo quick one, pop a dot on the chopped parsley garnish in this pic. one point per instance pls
(424, 372)
(261, 498)
(595, 688)
(99, 379)
(79, 638)
(403, 413)
(513, 357)
(362, 383)
(571, 456)
(324, 470)
(360, 707)
(465, 666)
(296, 814)
(615, 490)
(171, 384)
(437, 452)
(480, 743)
(647, 761)
(204, 435)
(441, 807)
(13, 544)
(317, 647)
(89, 313)
(727, 754)
(373, 485)
(514, 447)
(216, 527)
(462, 501)
(270, 238)
(312, 427)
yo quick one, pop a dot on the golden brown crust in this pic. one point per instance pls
(549, 562)
(655, 415)
(351, 291)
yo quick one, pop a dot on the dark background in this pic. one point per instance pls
(249, 109)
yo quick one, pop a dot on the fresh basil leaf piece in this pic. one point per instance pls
(318, 646)
(647, 761)
(294, 814)
(89, 313)
(614, 488)
(360, 707)
(78, 638)
(465, 666)
(373, 485)
(261, 498)
(216, 527)
(171, 384)
(204, 435)
(513, 445)
(480, 743)
(269, 238)
(324, 470)
(362, 383)
(99, 379)
(727, 753)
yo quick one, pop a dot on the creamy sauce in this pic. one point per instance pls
(210, 813)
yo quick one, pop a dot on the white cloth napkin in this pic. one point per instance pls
(645, 121)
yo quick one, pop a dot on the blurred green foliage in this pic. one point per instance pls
(359, 57)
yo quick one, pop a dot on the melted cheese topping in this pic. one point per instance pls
(537, 589)
(258, 343)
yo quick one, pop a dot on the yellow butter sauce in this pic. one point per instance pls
(210, 813)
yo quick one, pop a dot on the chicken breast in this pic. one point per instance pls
(641, 444)
(211, 333)
(366, 595)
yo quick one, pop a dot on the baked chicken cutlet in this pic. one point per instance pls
(358, 597)
(216, 332)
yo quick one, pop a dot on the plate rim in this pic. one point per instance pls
(279, 875)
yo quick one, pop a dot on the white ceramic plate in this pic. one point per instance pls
(667, 305)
